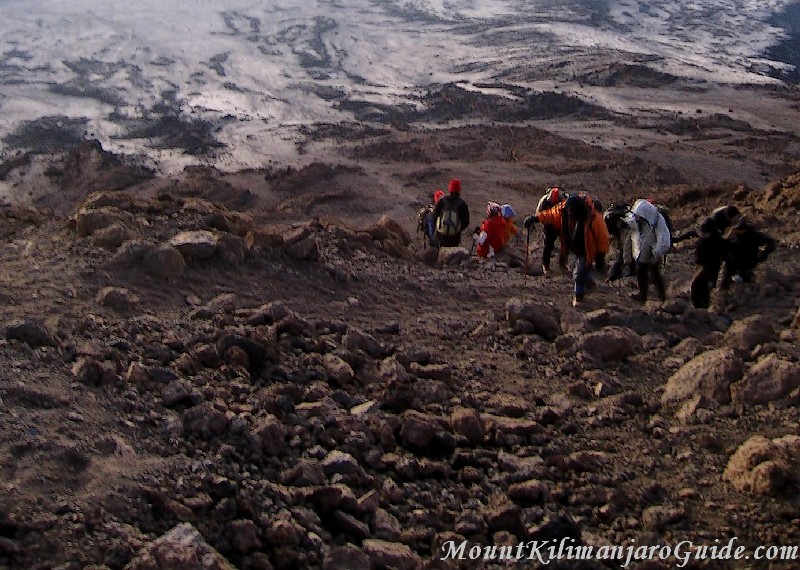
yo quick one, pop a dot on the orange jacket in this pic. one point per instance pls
(596, 238)
(552, 216)
(495, 228)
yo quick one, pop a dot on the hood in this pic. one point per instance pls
(644, 209)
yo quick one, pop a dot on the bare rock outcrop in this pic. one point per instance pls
(764, 466)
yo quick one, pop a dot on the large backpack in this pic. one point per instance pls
(422, 216)
(664, 211)
(448, 223)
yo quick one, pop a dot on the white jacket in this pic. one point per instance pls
(651, 237)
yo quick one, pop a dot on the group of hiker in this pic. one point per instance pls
(637, 236)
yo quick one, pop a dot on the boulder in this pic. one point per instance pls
(748, 333)
(467, 422)
(385, 554)
(117, 298)
(386, 228)
(306, 249)
(767, 380)
(180, 548)
(196, 244)
(452, 255)
(533, 318)
(263, 238)
(30, 332)
(164, 261)
(764, 467)
(709, 375)
(611, 343)
(339, 370)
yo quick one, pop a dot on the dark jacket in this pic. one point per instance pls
(456, 203)
(747, 246)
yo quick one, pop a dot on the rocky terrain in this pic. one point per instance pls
(265, 369)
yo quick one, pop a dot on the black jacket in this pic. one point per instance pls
(454, 202)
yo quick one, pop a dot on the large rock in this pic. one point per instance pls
(384, 554)
(90, 220)
(748, 333)
(533, 318)
(164, 261)
(32, 333)
(768, 380)
(386, 228)
(611, 343)
(467, 422)
(764, 467)
(117, 298)
(708, 375)
(197, 244)
(181, 548)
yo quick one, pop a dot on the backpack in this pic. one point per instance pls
(614, 215)
(664, 211)
(422, 216)
(448, 223)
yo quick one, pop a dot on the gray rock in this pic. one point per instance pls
(768, 380)
(180, 548)
(611, 344)
(533, 318)
(709, 375)
(196, 244)
(30, 332)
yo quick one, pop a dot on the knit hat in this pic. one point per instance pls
(507, 211)
(455, 186)
(554, 195)
(438, 195)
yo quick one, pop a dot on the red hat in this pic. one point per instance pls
(438, 195)
(455, 186)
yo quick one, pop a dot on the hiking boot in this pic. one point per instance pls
(545, 270)
(639, 296)
(575, 302)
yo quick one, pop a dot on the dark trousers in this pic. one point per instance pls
(647, 273)
(551, 234)
(705, 279)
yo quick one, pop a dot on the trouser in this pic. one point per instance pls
(430, 229)
(705, 278)
(647, 272)
(582, 276)
(551, 234)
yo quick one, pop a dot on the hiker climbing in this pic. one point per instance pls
(710, 252)
(554, 197)
(452, 216)
(426, 220)
(621, 243)
(583, 233)
(650, 240)
(747, 247)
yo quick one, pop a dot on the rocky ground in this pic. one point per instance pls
(265, 369)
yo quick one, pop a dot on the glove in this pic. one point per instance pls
(477, 230)
(529, 221)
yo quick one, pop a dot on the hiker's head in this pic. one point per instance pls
(438, 195)
(576, 208)
(492, 209)
(507, 211)
(455, 186)
(733, 214)
(555, 195)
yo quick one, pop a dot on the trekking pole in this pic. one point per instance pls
(527, 249)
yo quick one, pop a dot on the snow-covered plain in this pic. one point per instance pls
(253, 72)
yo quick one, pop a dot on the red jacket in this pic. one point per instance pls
(495, 228)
